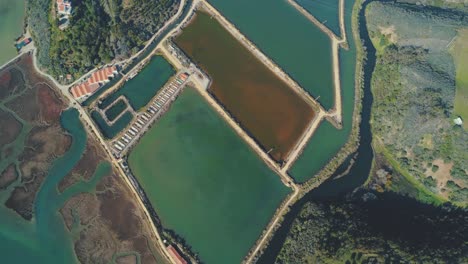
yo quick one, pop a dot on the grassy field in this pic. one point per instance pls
(205, 183)
(261, 102)
(460, 55)
(423, 194)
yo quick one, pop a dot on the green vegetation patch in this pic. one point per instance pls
(414, 91)
(115, 110)
(98, 31)
(143, 87)
(205, 183)
(386, 229)
(460, 56)
(407, 184)
(111, 131)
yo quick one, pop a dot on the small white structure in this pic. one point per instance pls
(458, 121)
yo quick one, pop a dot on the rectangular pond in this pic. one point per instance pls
(145, 85)
(271, 112)
(204, 182)
(12, 16)
(110, 132)
(289, 39)
(115, 110)
(327, 140)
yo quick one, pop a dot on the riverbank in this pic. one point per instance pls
(352, 143)
(359, 169)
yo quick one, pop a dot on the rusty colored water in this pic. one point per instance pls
(270, 111)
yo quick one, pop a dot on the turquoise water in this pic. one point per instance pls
(288, 38)
(45, 239)
(327, 140)
(325, 11)
(205, 183)
(145, 85)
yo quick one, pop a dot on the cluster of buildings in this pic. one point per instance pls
(154, 109)
(64, 9)
(97, 79)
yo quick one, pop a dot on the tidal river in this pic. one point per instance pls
(45, 239)
(389, 214)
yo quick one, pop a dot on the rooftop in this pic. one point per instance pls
(175, 255)
(94, 82)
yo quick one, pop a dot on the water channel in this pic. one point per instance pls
(23, 241)
(327, 140)
(389, 214)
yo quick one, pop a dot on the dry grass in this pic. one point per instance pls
(459, 51)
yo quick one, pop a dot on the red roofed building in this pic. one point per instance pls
(97, 79)
(64, 7)
(183, 76)
(175, 256)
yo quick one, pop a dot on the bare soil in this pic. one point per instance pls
(112, 223)
(43, 145)
(11, 82)
(49, 103)
(7, 151)
(85, 205)
(390, 32)
(46, 140)
(85, 167)
(442, 176)
(26, 106)
(8, 176)
(130, 259)
(118, 208)
(9, 128)
(22, 197)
